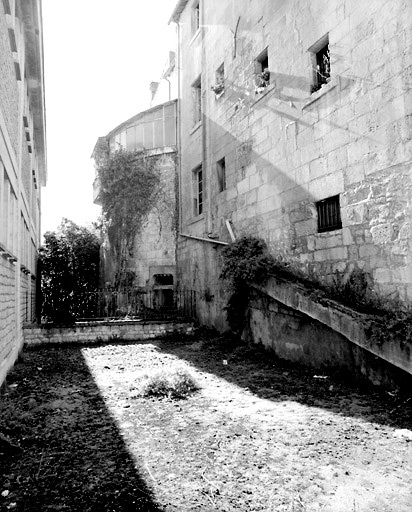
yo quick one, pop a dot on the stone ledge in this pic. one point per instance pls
(98, 332)
(341, 319)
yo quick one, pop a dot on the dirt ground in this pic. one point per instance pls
(259, 435)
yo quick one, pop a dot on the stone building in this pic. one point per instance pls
(22, 169)
(295, 126)
(153, 259)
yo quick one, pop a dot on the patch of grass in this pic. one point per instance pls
(175, 383)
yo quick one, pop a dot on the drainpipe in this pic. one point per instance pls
(170, 92)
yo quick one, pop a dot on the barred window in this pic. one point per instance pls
(329, 217)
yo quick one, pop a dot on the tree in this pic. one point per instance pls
(70, 271)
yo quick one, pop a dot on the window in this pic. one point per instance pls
(320, 63)
(195, 17)
(262, 72)
(6, 6)
(197, 100)
(329, 217)
(198, 191)
(221, 174)
(163, 279)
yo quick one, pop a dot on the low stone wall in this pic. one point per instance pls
(98, 332)
(285, 318)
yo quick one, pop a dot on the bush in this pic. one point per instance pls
(174, 383)
(244, 261)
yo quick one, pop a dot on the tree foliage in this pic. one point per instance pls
(70, 271)
(129, 182)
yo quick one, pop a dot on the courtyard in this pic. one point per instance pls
(259, 434)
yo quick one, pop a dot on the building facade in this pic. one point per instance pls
(295, 126)
(22, 169)
(152, 262)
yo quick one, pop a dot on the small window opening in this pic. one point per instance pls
(17, 71)
(163, 279)
(221, 174)
(12, 39)
(6, 7)
(321, 63)
(329, 217)
(196, 17)
(262, 72)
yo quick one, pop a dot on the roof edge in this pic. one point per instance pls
(177, 11)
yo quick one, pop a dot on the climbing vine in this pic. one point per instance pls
(129, 183)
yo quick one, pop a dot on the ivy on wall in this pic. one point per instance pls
(129, 182)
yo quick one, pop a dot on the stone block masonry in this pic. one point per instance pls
(298, 142)
(324, 335)
(100, 332)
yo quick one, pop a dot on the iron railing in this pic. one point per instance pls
(133, 303)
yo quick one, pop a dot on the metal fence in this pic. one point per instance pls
(136, 304)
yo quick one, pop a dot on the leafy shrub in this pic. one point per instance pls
(70, 260)
(246, 260)
(174, 383)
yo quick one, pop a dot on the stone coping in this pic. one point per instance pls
(93, 323)
(340, 318)
(98, 332)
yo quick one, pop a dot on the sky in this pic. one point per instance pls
(100, 57)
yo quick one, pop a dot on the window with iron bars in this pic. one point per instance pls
(329, 217)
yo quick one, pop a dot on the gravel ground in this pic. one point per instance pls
(259, 435)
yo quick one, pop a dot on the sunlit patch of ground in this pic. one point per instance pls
(257, 436)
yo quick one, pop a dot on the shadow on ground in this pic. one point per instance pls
(268, 377)
(53, 408)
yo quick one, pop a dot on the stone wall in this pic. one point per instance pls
(154, 249)
(324, 336)
(9, 91)
(155, 246)
(98, 332)
(286, 147)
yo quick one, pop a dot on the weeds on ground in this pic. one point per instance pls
(175, 383)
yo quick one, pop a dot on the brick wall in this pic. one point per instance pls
(25, 299)
(10, 337)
